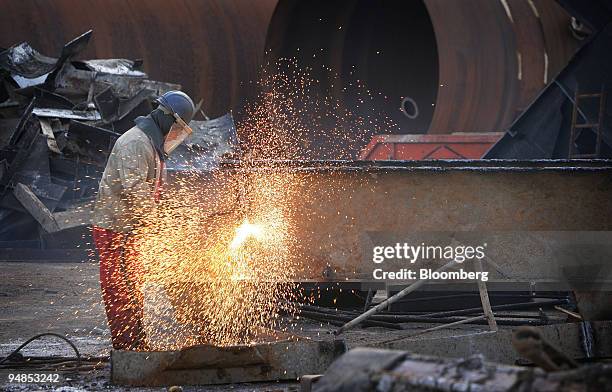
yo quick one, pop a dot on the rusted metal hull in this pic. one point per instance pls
(495, 59)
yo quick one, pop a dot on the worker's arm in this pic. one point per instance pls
(136, 160)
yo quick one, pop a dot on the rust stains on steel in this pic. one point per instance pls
(218, 48)
(506, 56)
(351, 205)
(421, 83)
(489, 81)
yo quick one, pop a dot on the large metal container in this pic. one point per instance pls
(432, 66)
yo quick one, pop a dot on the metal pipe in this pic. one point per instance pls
(484, 300)
(403, 318)
(393, 322)
(517, 306)
(568, 312)
(494, 295)
(383, 305)
(227, 42)
(356, 39)
(588, 340)
(518, 319)
(338, 317)
(464, 321)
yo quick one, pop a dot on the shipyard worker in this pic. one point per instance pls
(129, 190)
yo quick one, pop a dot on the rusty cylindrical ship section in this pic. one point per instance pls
(388, 47)
(212, 48)
(431, 66)
(494, 58)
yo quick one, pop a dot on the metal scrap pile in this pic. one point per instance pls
(59, 119)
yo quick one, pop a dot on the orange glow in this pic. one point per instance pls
(245, 231)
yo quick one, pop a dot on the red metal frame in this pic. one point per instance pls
(421, 147)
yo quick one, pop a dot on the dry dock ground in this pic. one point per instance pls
(65, 298)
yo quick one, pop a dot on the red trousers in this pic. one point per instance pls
(121, 278)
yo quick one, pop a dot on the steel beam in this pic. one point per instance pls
(286, 359)
(542, 221)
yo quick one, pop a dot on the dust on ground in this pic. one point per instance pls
(65, 298)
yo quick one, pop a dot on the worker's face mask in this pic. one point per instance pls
(177, 134)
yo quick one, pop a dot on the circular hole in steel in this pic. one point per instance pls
(409, 107)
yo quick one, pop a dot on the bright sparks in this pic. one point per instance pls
(227, 277)
(230, 279)
(245, 231)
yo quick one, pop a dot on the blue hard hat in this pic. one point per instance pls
(178, 102)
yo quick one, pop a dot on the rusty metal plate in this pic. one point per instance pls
(352, 206)
(286, 359)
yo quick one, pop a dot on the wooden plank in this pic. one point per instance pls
(484, 298)
(79, 216)
(36, 208)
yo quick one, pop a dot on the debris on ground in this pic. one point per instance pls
(367, 369)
